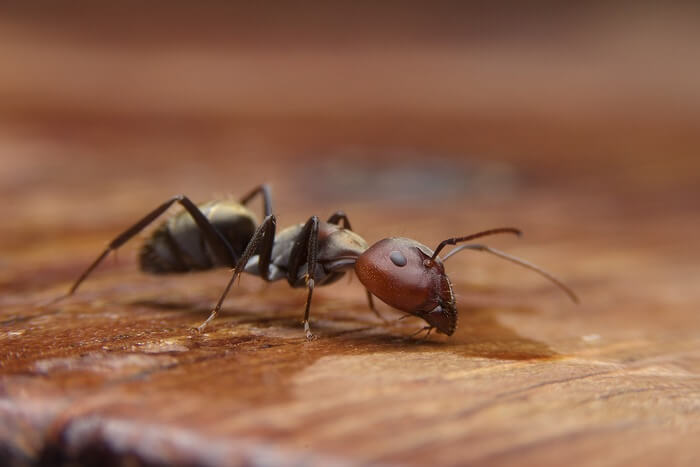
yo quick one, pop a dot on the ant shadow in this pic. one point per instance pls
(281, 316)
(479, 334)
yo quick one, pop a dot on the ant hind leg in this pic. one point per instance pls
(212, 236)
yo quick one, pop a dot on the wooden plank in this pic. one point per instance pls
(115, 375)
(528, 378)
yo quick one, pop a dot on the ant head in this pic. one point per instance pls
(402, 273)
(411, 277)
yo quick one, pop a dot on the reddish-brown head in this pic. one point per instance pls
(411, 277)
(401, 273)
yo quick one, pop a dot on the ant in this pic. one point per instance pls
(401, 272)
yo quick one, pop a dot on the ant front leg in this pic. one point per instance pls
(370, 302)
(262, 242)
(335, 219)
(212, 236)
(428, 328)
(305, 250)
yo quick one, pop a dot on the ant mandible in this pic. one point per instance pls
(401, 272)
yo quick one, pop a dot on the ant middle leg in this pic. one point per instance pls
(305, 250)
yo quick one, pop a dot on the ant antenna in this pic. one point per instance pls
(519, 261)
(456, 240)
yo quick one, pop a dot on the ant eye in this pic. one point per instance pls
(397, 258)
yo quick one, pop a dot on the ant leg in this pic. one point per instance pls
(261, 243)
(337, 217)
(307, 328)
(429, 328)
(263, 190)
(307, 237)
(370, 301)
(212, 236)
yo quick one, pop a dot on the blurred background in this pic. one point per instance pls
(571, 121)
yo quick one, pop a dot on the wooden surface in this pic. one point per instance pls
(607, 196)
(527, 378)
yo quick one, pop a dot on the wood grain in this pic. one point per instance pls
(528, 378)
(608, 201)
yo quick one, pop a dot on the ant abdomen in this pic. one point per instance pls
(178, 244)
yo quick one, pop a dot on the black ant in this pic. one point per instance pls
(401, 272)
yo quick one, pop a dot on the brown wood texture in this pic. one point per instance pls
(601, 172)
